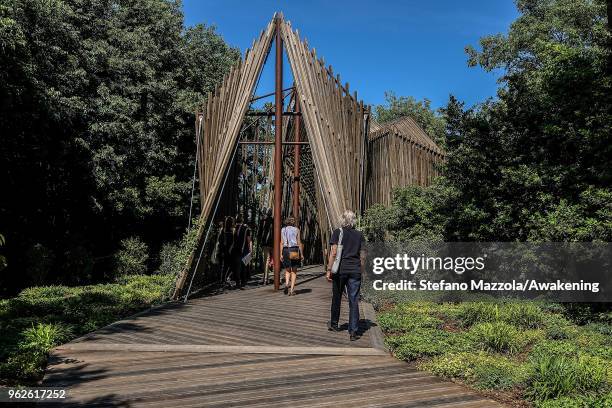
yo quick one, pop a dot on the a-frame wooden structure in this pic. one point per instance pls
(336, 124)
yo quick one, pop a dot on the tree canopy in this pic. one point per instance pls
(534, 163)
(97, 101)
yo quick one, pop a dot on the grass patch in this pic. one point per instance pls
(525, 350)
(40, 318)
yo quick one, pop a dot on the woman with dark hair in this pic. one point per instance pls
(292, 252)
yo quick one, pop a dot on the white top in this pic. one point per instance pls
(289, 236)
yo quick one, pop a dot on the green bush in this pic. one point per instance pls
(601, 328)
(418, 343)
(482, 370)
(558, 327)
(480, 312)
(40, 318)
(556, 375)
(31, 355)
(522, 314)
(394, 321)
(582, 401)
(530, 349)
(174, 255)
(497, 337)
(132, 258)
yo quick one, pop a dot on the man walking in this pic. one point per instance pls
(352, 264)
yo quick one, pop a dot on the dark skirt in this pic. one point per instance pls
(288, 263)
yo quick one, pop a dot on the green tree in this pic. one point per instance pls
(97, 101)
(397, 106)
(531, 164)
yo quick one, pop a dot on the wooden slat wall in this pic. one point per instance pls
(399, 154)
(334, 122)
(223, 116)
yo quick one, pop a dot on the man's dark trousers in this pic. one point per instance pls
(240, 273)
(352, 282)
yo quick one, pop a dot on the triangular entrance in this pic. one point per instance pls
(335, 123)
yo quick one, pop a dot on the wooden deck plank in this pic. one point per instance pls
(245, 348)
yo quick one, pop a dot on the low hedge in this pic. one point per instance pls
(42, 317)
(525, 349)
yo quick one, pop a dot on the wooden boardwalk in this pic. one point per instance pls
(245, 348)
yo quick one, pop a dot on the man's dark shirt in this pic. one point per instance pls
(352, 243)
(241, 234)
(266, 232)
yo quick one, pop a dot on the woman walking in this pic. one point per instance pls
(292, 252)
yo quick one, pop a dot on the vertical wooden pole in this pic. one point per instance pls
(278, 155)
(296, 163)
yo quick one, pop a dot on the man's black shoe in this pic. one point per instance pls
(332, 327)
(354, 336)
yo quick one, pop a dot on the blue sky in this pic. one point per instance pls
(409, 47)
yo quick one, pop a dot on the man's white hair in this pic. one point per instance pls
(348, 219)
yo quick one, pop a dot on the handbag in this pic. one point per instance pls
(336, 265)
(294, 255)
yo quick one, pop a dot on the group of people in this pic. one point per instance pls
(233, 249)
(347, 251)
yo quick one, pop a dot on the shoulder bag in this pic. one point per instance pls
(336, 266)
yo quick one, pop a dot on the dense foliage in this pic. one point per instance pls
(40, 318)
(96, 111)
(518, 350)
(534, 164)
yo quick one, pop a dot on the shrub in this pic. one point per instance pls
(132, 258)
(31, 355)
(481, 343)
(557, 375)
(582, 401)
(394, 320)
(174, 255)
(601, 328)
(38, 263)
(482, 370)
(523, 314)
(376, 222)
(418, 343)
(479, 312)
(559, 328)
(39, 318)
(498, 337)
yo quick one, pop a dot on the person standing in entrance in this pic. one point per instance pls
(266, 238)
(241, 246)
(225, 241)
(352, 264)
(292, 252)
